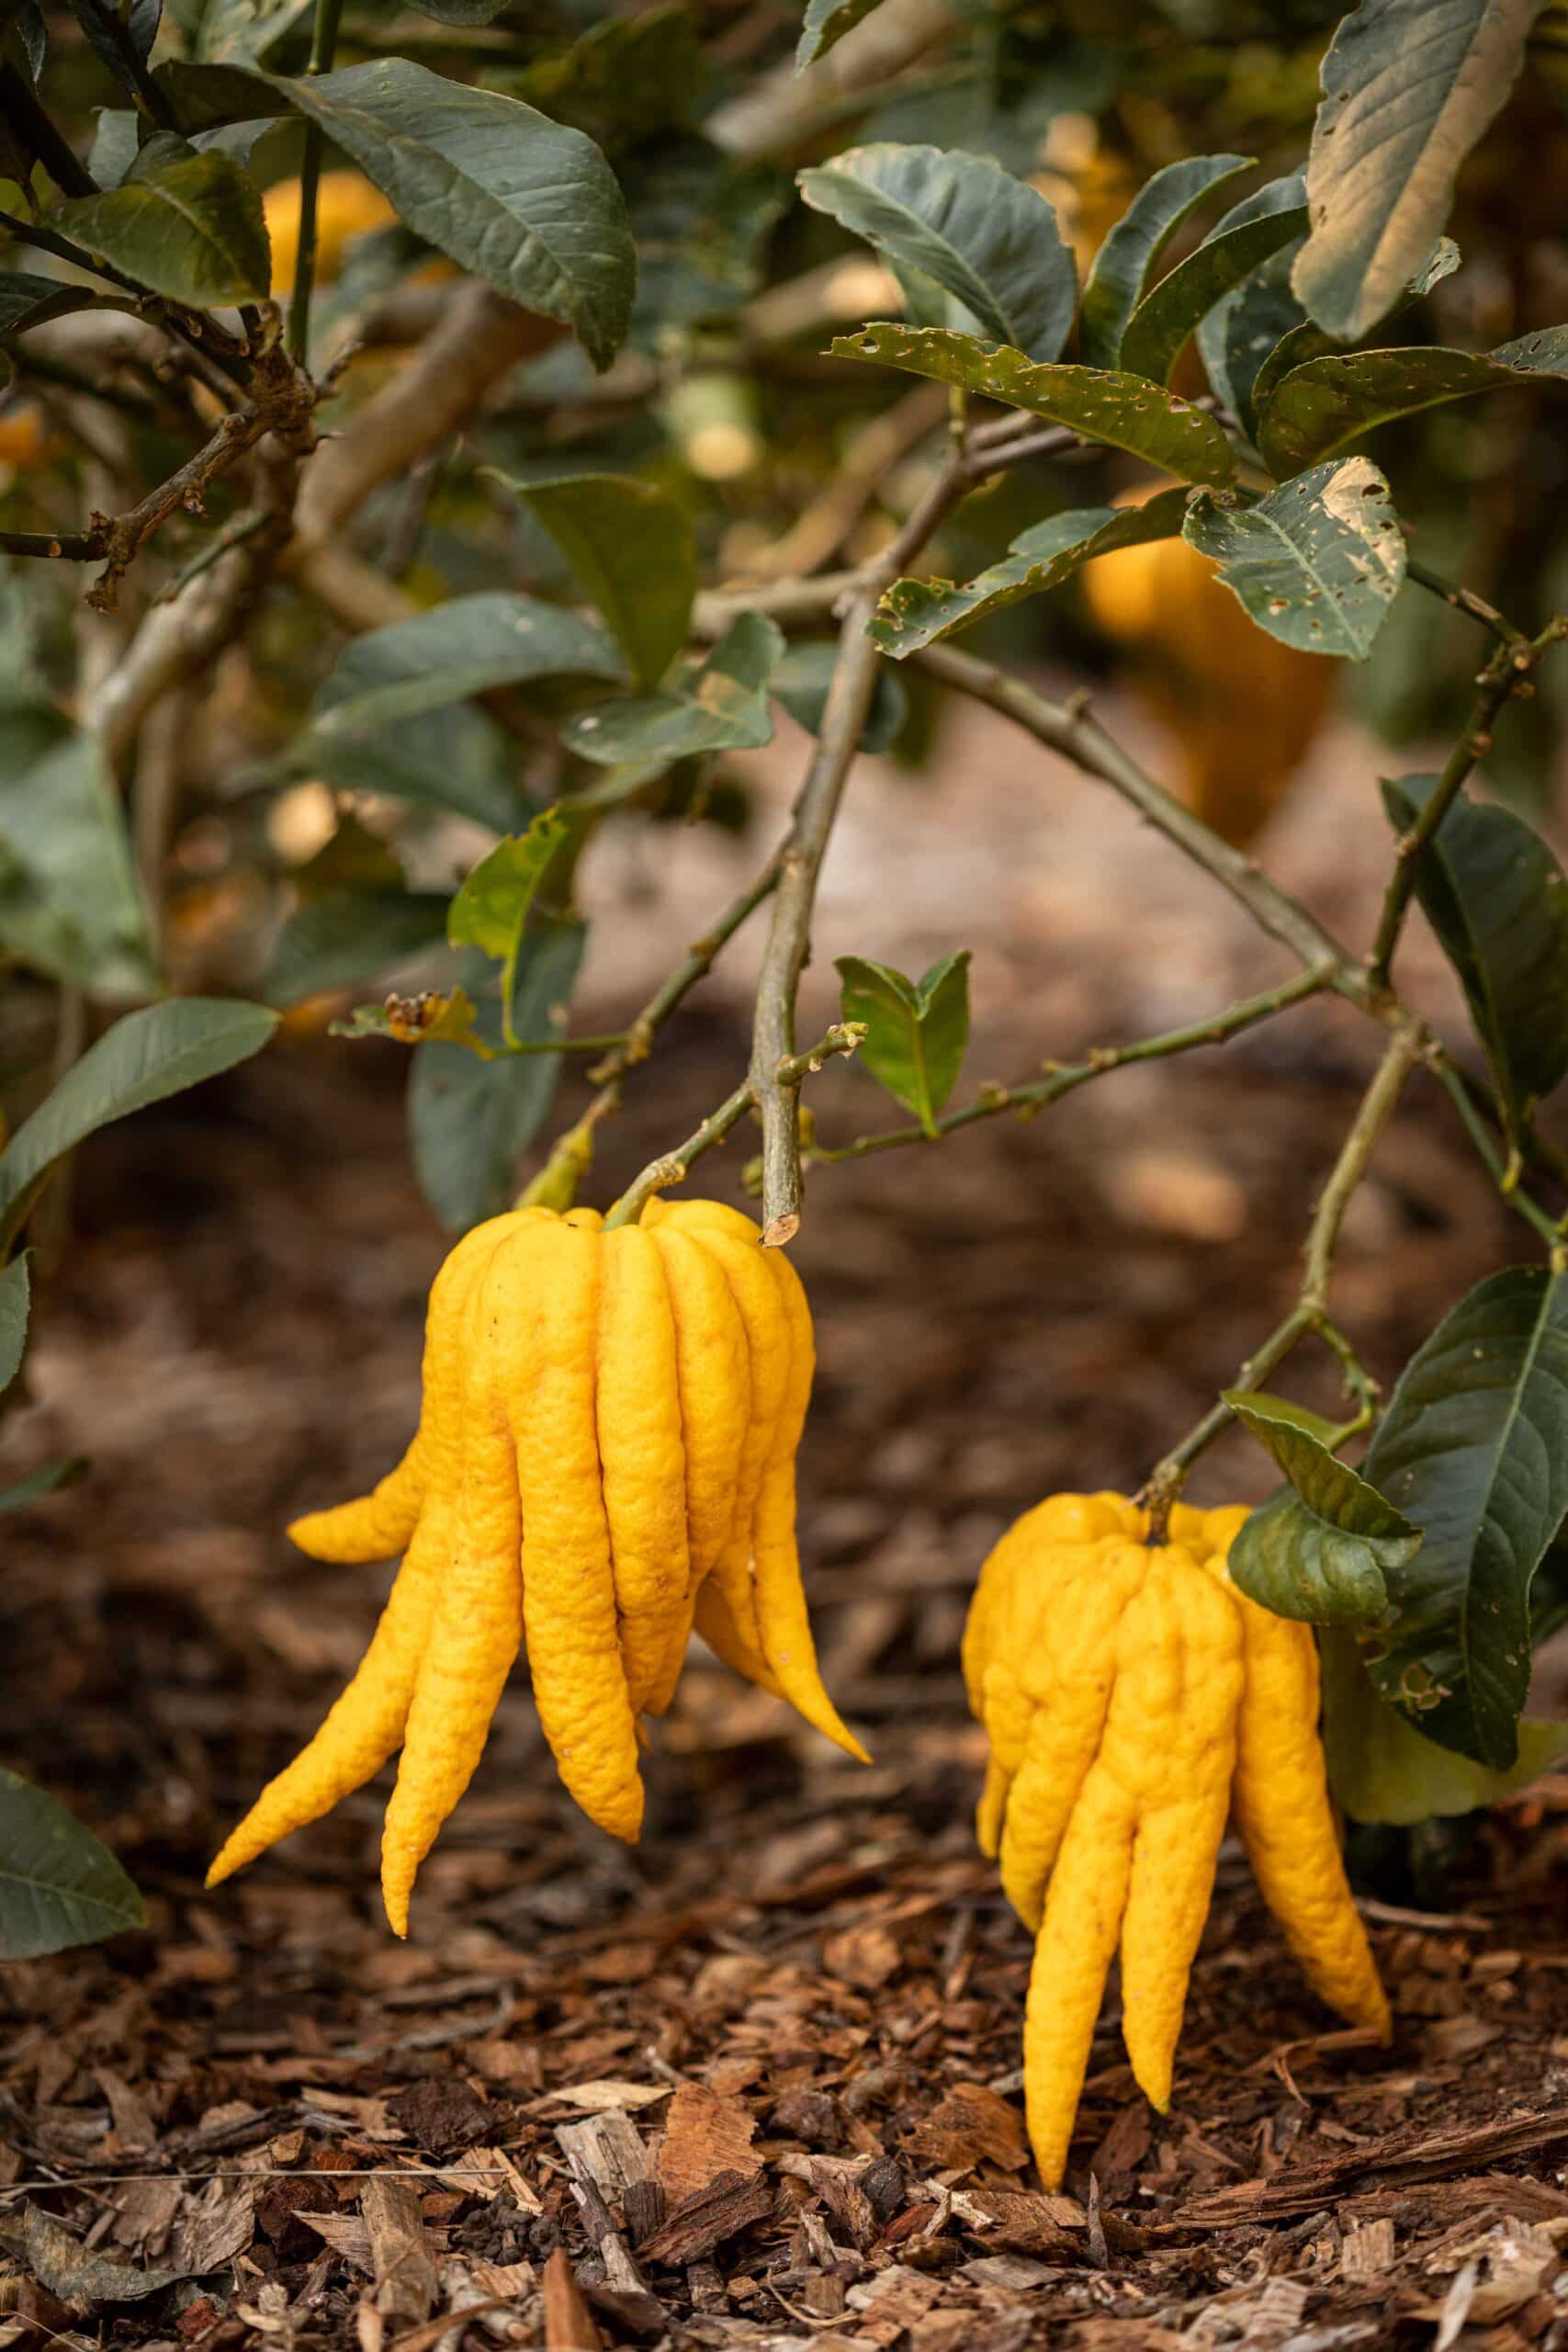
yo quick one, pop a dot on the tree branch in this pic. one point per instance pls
(783, 110)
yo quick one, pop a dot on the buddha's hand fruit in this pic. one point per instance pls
(1132, 1699)
(606, 1452)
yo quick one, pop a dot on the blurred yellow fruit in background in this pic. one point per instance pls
(25, 437)
(347, 206)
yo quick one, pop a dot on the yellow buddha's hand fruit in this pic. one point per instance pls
(608, 1434)
(1132, 1699)
(347, 206)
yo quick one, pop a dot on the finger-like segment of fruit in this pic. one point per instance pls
(735, 1244)
(379, 1524)
(643, 1458)
(723, 1636)
(1072, 1953)
(545, 1299)
(474, 1641)
(677, 1641)
(1170, 1737)
(1037, 1548)
(782, 1617)
(367, 1722)
(990, 1811)
(1282, 1811)
(715, 1386)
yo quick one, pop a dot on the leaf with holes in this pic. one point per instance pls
(719, 704)
(1409, 86)
(58, 1885)
(1120, 411)
(1379, 1768)
(915, 611)
(1318, 1549)
(1474, 1449)
(916, 1030)
(1159, 329)
(1329, 403)
(989, 241)
(1125, 261)
(1498, 898)
(189, 226)
(1317, 563)
(491, 910)
(635, 554)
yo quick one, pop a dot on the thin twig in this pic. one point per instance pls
(697, 962)
(324, 45)
(1464, 600)
(1534, 1215)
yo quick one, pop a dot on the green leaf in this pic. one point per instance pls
(827, 21)
(27, 301)
(490, 911)
(626, 82)
(719, 704)
(1409, 86)
(1317, 563)
(452, 758)
(1330, 403)
(461, 648)
(1380, 1769)
(69, 901)
(914, 612)
(243, 32)
(58, 1885)
(1158, 330)
(461, 12)
(1123, 412)
(204, 96)
(470, 1120)
(1254, 378)
(803, 674)
(147, 1056)
(15, 1299)
(1242, 331)
(989, 240)
(915, 1032)
(189, 226)
(1474, 1447)
(635, 555)
(348, 936)
(48, 1480)
(524, 203)
(1498, 898)
(1125, 261)
(1318, 1549)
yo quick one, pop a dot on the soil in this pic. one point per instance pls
(755, 2083)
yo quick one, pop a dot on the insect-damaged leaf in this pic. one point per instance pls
(1317, 1549)
(1498, 898)
(916, 1030)
(1474, 1449)
(1380, 1769)
(58, 1885)
(1317, 563)
(1123, 412)
(1329, 403)
(1409, 86)
(490, 911)
(989, 241)
(1125, 261)
(915, 611)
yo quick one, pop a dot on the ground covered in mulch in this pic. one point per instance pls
(757, 2082)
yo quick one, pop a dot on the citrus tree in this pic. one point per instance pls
(489, 413)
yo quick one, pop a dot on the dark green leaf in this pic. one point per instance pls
(189, 226)
(49, 1480)
(915, 1032)
(1125, 261)
(827, 21)
(1240, 335)
(1332, 402)
(1158, 330)
(27, 301)
(461, 648)
(635, 554)
(141, 27)
(70, 902)
(802, 676)
(58, 1885)
(461, 12)
(147, 1055)
(490, 911)
(720, 705)
(986, 239)
(1409, 86)
(15, 1298)
(1319, 1548)
(469, 1120)
(1123, 412)
(1379, 1768)
(1474, 1447)
(527, 204)
(1498, 898)
(626, 80)
(914, 612)
(349, 936)
(452, 758)
(1317, 563)
(205, 97)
